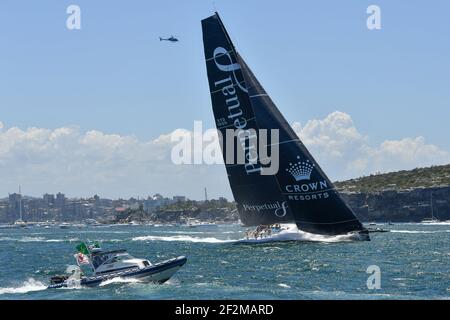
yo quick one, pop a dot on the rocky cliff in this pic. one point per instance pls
(411, 205)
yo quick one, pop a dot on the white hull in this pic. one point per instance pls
(290, 232)
(159, 277)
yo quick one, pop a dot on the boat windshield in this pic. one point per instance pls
(106, 257)
(120, 257)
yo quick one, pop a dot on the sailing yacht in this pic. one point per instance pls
(432, 219)
(19, 222)
(299, 192)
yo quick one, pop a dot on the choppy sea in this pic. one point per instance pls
(413, 259)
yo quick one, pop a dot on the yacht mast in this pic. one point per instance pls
(432, 208)
(20, 205)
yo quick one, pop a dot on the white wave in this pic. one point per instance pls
(73, 284)
(99, 231)
(31, 239)
(182, 238)
(438, 223)
(28, 286)
(291, 233)
(36, 239)
(283, 285)
(419, 231)
(305, 236)
(23, 239)
(7, 239)
(202, 284)
(118, 280)
(184, 232)
(111, 240)
(62, 240)
(172, 282)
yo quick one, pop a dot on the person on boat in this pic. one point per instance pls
(256, 232)
(262, 231)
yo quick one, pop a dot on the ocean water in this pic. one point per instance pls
(414, 260)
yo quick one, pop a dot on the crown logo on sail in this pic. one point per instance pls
(301, 170)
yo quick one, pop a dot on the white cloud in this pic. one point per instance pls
(333, 137)
(345, 153)
(84, 163)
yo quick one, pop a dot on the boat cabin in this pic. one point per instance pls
(112, 261)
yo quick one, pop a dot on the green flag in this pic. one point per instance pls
(82, 248)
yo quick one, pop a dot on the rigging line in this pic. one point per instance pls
(283, 142)
(344, 221)
(259, 95)
(232, 125)
(234, 85)
(219, 55)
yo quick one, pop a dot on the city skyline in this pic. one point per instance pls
(24, 196)
(51, 207)
(92, 110)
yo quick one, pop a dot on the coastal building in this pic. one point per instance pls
(179, 199)
(49, 199)
(14, 203)
(155, 202)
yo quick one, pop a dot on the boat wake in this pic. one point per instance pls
(23, 239)
(28, 286)
(291, 233)
(419, 231)
(182, 238)
(440, 223)
(118, 280)
(37, 239)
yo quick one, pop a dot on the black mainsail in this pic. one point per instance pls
(232, 110)
(299, 191)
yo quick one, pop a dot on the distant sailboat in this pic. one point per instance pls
(432, 219)
(300, 191)
(19, 222)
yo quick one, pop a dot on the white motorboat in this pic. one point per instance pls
(107, 265)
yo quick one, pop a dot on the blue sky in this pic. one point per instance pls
(314, 58)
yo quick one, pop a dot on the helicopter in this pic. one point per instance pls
(171, 39)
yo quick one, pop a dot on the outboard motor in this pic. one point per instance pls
(58, 279)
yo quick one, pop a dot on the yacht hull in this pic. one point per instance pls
(290, 232)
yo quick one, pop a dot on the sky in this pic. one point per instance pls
(91, 111)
